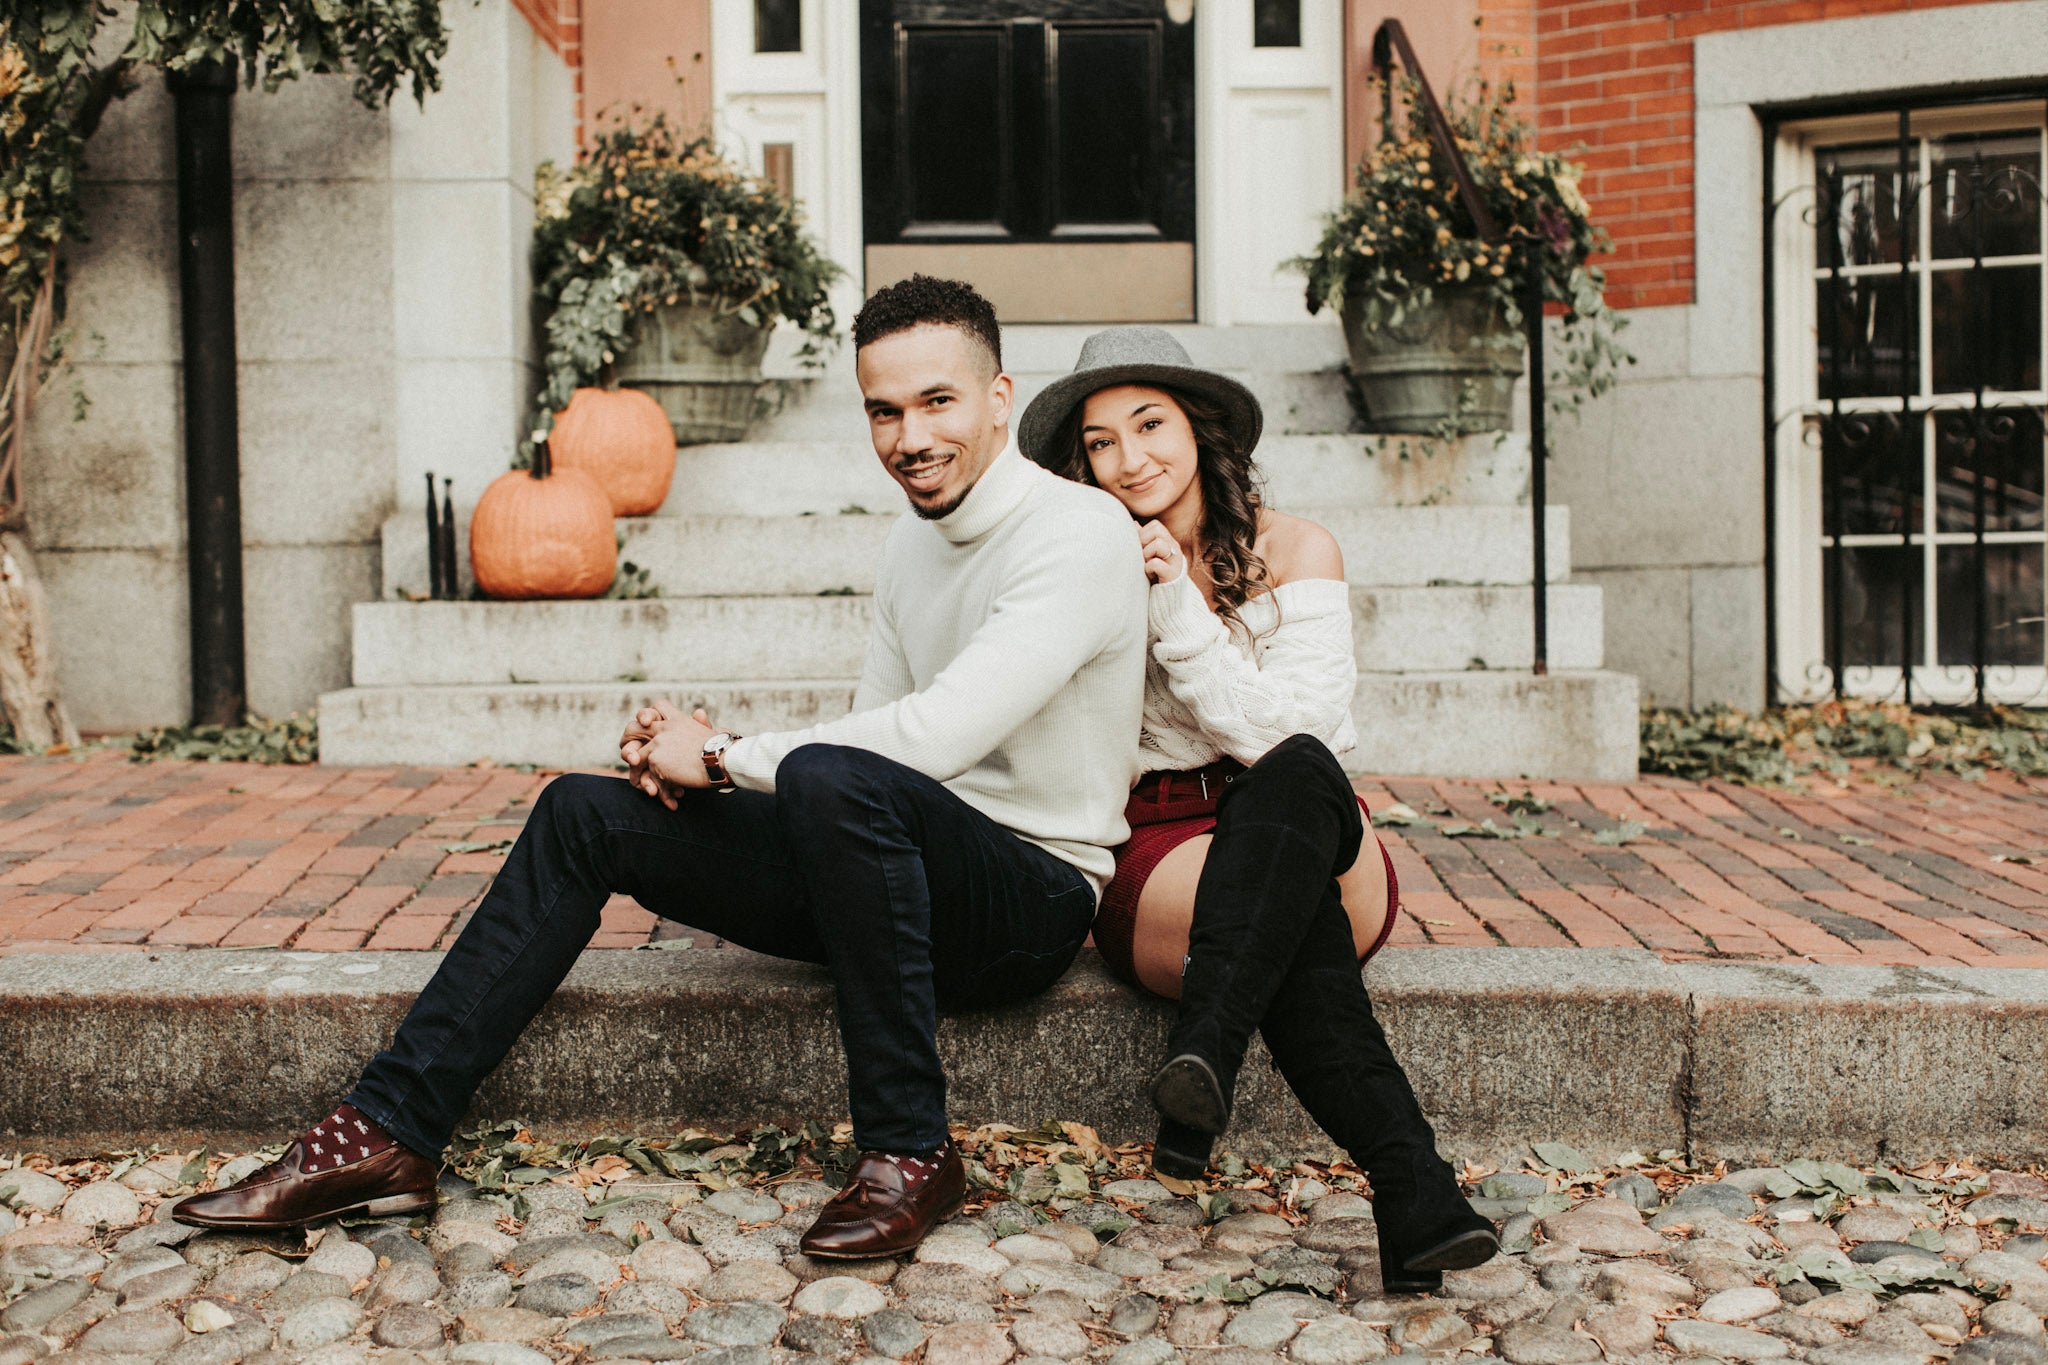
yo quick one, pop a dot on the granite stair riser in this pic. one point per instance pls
(1565, 726)
(1472, 724)
(764, 478)
(399, 644)
(1051, 348)
(759, 556)
(566, 725)
(1604, 1049)
(1297, 402)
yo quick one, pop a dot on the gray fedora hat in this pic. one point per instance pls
(1134, 355)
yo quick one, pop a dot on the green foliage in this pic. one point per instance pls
(1403, 234)
(294, 739)
(589, 328)
(1781, 746)
(41, 154)
(632, 584)
(648, 216)
(52, 92)
(381, 41)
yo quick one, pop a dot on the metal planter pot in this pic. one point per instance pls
(704, 369)
(1451, 365)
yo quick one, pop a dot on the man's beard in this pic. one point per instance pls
(939, 511)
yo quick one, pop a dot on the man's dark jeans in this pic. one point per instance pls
(910, 896)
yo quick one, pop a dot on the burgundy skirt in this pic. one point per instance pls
(1166, 810)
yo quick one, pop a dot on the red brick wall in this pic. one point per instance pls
(1616, 75)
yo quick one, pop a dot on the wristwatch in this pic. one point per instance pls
(714, 759)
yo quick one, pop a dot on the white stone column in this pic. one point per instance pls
(463, 322)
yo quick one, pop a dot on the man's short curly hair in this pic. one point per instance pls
(924, 300)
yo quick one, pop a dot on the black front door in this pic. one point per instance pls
(1042, 148)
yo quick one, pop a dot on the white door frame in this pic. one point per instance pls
(1270, 130)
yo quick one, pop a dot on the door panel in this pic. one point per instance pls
(1062, 125)
(1106, 129)
(956, 110)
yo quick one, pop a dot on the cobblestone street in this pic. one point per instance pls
(1090, 1260)
(104, 854)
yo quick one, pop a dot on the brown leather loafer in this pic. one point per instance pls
(887, 1208)
(284, 1194)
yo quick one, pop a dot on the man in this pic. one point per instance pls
(945, 842)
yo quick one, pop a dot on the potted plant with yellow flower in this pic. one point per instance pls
(666, 266)
(1432, 314)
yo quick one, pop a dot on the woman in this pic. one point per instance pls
(1245, 891)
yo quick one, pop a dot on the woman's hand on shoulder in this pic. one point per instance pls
(1296, 548)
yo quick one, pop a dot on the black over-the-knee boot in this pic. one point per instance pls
(1325, 1041)
(1286, 828)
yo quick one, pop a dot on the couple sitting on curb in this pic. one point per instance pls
(1048, 626)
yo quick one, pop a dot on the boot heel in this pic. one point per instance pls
(1402, 1282)
(1180, 1151)
(1461, 1252)
(1187, 1090)
(399, 1203)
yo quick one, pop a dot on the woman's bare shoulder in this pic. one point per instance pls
(1296, 548)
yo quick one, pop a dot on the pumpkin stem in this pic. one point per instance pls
(608, 376)
(543, 460)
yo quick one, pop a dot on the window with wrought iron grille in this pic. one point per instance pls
(1906, 287)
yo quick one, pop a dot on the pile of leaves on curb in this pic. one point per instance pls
(1781, 746)
(293, 739)
(1520, 809)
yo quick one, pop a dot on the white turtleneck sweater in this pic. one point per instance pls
(1007, 660)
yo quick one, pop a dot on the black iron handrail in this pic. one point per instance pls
(1391, 40)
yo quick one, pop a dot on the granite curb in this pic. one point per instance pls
(1609, 1049)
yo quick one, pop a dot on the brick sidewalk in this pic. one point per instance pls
(104, 854)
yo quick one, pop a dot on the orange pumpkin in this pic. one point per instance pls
(543, 532)
(621, 438)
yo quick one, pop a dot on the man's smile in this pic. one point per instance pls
(925, 475)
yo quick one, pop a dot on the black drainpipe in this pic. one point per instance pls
(204, 98)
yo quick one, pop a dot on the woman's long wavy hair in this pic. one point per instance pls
(1230, 497)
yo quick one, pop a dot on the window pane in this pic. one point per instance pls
(1986, 185)
(1866, 337)
(954, 118)
(778, 26)
(1858, 209)
(1276, 23)
(1870, 474)
(1876, 580)
(1987, 328)
(2012, 603)
(2003, 449)
(1106, 93)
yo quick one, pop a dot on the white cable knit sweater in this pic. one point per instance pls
(1210, 691)
(1005, 661)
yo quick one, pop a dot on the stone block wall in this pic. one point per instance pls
(383, 327)
(1664, 477)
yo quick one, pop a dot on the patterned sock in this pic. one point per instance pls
(343, 1138)
(917, 1166)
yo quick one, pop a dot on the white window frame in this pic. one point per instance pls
(1802, 652)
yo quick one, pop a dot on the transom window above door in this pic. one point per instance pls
(1907, 282)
